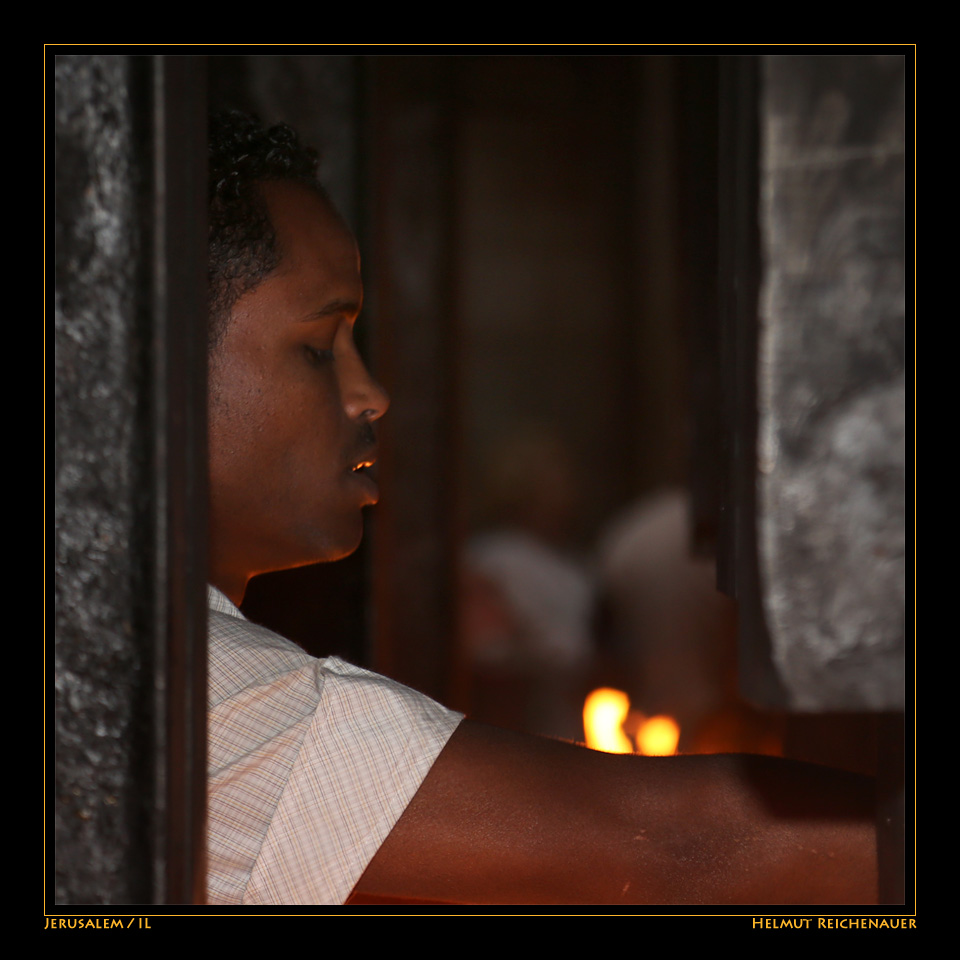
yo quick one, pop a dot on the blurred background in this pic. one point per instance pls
(539, 238)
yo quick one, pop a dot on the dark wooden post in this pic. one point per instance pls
(416, 531)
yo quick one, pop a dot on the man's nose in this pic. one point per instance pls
(363, 397)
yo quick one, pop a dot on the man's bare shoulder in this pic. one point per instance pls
(504, 817)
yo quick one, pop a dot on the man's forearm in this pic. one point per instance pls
(508, 818)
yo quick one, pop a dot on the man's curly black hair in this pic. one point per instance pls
(243, 245)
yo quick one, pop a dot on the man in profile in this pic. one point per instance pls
(326, 779)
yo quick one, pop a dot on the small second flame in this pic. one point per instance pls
(658, 737)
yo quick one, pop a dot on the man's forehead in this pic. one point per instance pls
(302, 214)
(318, 272)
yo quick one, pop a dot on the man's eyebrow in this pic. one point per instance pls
(335, 308)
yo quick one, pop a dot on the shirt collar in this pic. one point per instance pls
(221, 603)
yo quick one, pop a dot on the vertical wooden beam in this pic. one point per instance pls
(739, 265)
(415, 545)
(179, 355)
(698, 114)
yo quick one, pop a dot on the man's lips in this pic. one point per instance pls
(361, 470)
(363, 460)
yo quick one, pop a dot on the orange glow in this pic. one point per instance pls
(611, 726)
(658, 737)
(604, 711)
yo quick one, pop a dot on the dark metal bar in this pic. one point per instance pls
(180, 364)
(737, 571)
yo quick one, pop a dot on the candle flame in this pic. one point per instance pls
(658, 737)
(604, 711)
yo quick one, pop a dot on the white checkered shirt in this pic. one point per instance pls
(311, 763)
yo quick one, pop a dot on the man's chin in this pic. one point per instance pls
(328, 556)
(346, 542)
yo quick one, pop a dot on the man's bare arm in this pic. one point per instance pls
(508, 818)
